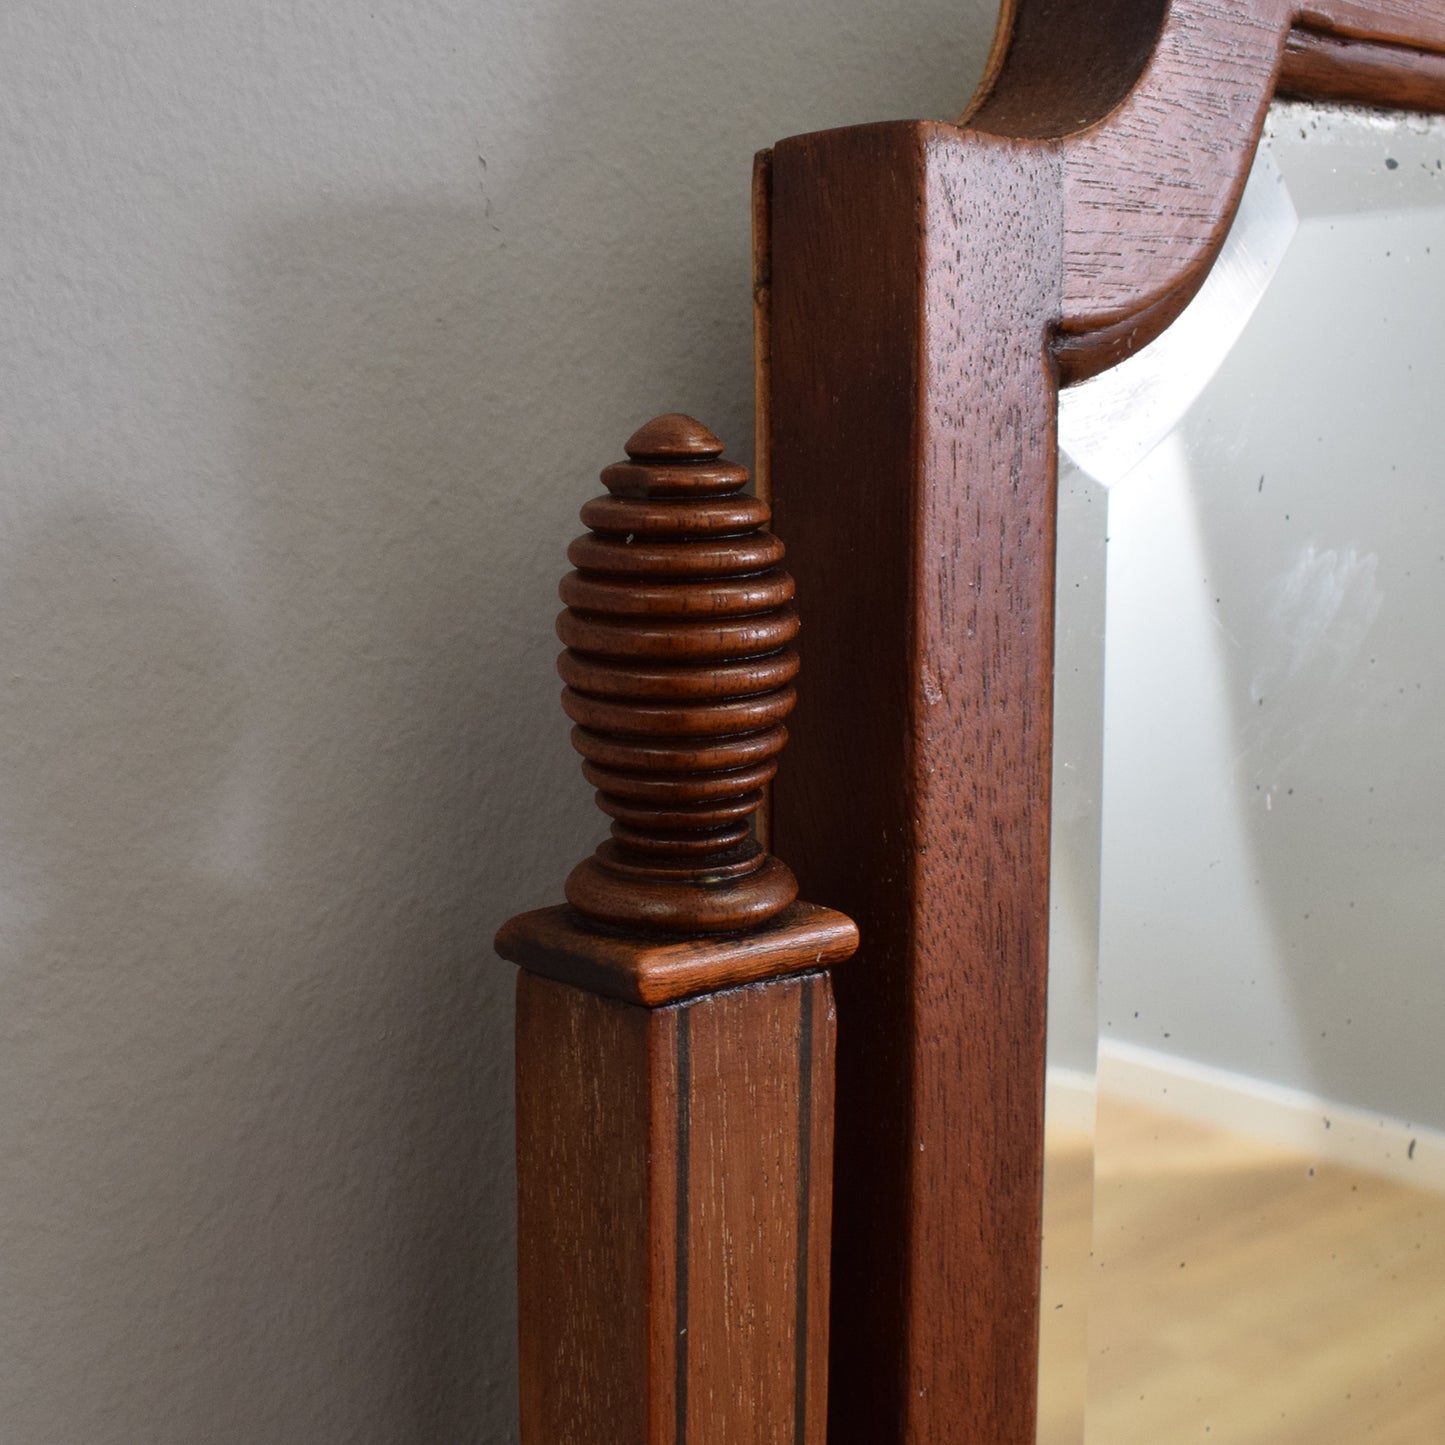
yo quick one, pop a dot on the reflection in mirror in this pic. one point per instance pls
(1250, 833)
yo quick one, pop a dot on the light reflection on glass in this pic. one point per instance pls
(1268, 1162)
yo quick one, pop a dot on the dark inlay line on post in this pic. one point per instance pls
(684, 1126)
(805, 1195)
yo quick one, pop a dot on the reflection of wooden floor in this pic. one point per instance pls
(1238, 1294)
(1064, 1315)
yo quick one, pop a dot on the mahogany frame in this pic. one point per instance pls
(924, 289)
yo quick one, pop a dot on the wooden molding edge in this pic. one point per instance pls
(1102, 83)
(557, 943)
(1319, 66)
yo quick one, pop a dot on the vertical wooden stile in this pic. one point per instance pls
(914, 281)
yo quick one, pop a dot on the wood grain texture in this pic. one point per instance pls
(760, 1109)
(1418, 24)
(927, 287)
(920, 288)
(915, 273)
(673, 1169)
(557, 943)
(1158, 107)
(679, 674)
(591, 1252)
(1107, 44)
(1149, 194)
(674, 1033)
(841, 407)
(1325, 67)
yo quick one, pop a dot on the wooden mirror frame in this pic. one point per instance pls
(924, 289)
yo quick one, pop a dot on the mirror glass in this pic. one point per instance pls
(1245, 1177)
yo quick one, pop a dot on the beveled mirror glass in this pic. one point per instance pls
(1245, 1181)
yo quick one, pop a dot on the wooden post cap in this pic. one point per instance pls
(679, 668)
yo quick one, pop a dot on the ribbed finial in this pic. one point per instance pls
(672, 437)
(678, 669)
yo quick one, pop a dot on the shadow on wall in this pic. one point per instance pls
(274, 770)
(373, 371)
(253, 1090)
(114, 1020)
(265, 822)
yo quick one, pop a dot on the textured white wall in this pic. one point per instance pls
(319, 320)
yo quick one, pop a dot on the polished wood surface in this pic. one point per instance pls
(758, 1212)
(1154, 108)
(914, 275)
(591, 1216)
(925, 292)
(1326, 67)
(673, 1174)
(558, 943)
(679, 670)
(675, 1027)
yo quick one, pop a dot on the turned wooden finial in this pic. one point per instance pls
(678, 669)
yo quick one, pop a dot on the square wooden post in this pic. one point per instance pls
(674, 1186)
